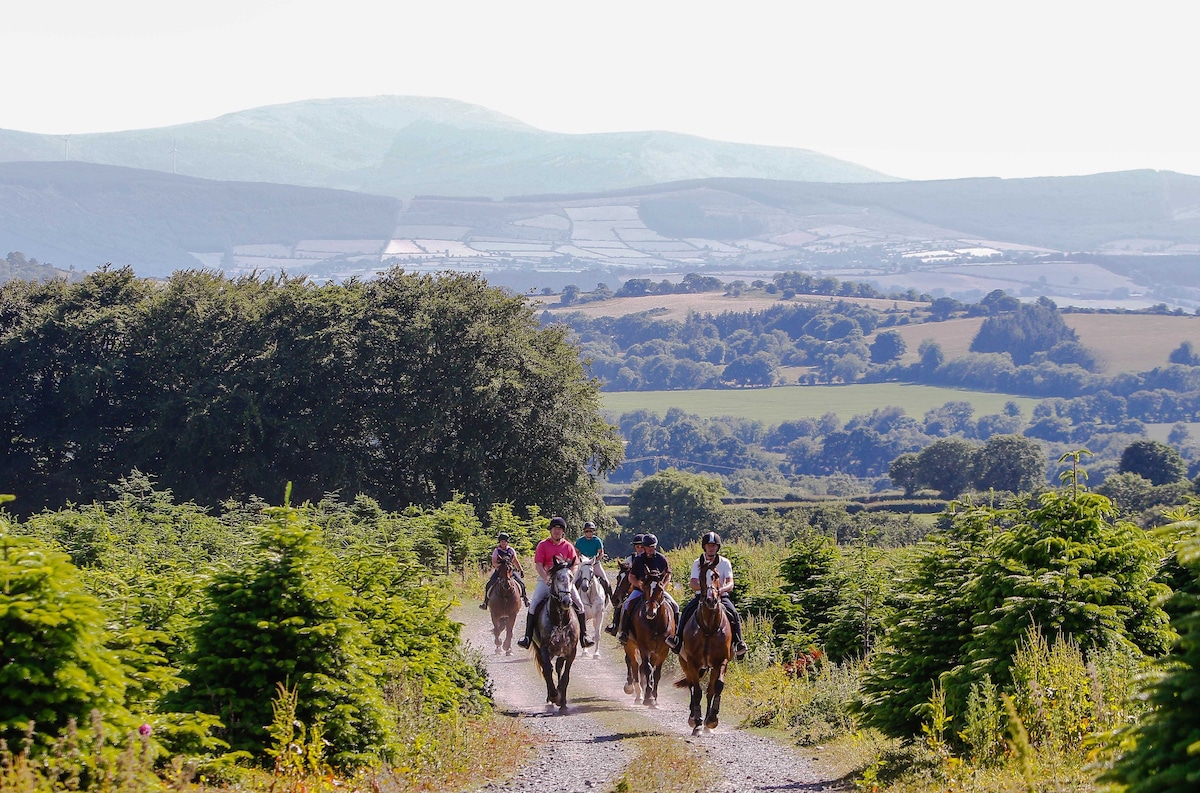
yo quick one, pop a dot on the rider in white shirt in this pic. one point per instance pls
(712, 547)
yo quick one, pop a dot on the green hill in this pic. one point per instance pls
(406, 146)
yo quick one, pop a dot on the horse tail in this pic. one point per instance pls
(682, 683)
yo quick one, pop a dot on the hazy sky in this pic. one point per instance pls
(915, 89)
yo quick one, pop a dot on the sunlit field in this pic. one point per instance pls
(784, 403)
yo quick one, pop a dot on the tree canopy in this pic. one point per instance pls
(410, 388)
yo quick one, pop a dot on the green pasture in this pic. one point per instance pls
(784, 403)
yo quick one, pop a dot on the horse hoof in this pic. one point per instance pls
(629, 688)
(562, 709)
(497, 651)
(508, 652)
(696, 730)
(595, 655)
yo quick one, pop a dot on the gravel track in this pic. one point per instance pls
(592, 737)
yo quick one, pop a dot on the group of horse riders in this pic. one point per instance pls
(645, 561)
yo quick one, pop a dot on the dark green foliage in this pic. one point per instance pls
(409, 388)
(1009, 463)
(1063, 565)
(1028, 329)
(1159, 752)
(946, 466)
(1153, 460)
(676, 506)
(54, 666)
(887, 347)
(286, 619)
(1185, 354)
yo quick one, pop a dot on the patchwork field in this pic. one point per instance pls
(784, 403)
(678, 306)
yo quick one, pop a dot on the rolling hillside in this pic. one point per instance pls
(406, 146)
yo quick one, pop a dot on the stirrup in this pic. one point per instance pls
(585, 642)
(740, 649)
(673, 642)
(623, 637)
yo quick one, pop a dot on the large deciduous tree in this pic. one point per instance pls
(677, 506)
(1153, 460)
(1010, 463)
(410, 388)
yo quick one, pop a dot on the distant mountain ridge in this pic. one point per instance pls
(408, 146)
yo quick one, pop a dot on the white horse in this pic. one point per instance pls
(593, 596)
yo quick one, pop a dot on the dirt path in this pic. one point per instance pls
(592, 737)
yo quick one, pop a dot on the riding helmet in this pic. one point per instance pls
(589, 525)
(712, 537)
(650, 540)
(503, 537)
(557, 521)
(639, 539)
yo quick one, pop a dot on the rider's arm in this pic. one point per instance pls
(541, 571)
(694, 584)
(726, 587)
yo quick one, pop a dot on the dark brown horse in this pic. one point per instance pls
(556, 634)
(706, 648)
(504, 604)
(621, 590)
(651, 621)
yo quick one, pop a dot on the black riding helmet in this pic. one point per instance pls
(557, 521)
(589, 525)
(503, 537)
(639, 539)
(712, 537)
(650, 541)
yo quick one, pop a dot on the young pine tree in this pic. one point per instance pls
(54, 667)
(283, 619)
(1161, 755)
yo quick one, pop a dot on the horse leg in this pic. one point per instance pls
(630, 674)
(716, 684)
(647, 683)
(496, 628)
(564, 677)
(508, 629)
(543, 656)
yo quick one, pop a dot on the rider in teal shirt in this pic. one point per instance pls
(591, 546)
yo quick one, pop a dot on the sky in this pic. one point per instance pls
(918, 90)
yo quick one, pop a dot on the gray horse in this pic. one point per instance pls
(556, 635)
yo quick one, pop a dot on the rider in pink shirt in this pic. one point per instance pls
(543, 559)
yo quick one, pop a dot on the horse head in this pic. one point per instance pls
(504, 568)
(584, 574)
(561, 581)
(653, 592)
(711, 583)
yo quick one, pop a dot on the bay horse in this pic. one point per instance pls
(594, 598)
(706, 648)
(621, 589)
(556, 634)
(651, 622)
(504, 605)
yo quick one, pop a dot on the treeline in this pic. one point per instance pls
(411, 388)
(165, 619)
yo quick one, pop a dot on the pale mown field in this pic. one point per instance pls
(1124, 342)
(784, 403)
(678, 306)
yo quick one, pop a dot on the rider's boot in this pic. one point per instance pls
(584, 641)
(527, 639)
(735, 625)
(623, 627)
